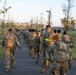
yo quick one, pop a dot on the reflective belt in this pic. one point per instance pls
(49, 40)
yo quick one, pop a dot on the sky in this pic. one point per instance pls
(24, 10)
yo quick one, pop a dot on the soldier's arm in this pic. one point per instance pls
(70, 51)
(17, 43)
(69, 62)
(4, 40)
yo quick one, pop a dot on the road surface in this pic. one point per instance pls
(25, 65)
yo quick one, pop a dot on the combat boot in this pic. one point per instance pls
(42, 70)
(7, 70)
(37, 61)
(13, 64)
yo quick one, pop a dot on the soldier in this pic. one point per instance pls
(26, 35)
(59, 34)
(37, 41)
(46, 45)
(31, 42)
(18, 34)
(55, 32)
(10, 44)
(69, 41)
(61, 57)
(43, 33)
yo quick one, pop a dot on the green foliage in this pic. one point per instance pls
(73, 34)
(1, 52)
(67, 14)
(12, 25)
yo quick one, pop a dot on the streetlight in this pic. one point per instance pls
(49, 16)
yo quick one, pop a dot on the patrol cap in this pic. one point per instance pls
(32, 30)
(65, 32)
(59, 31)
(10, 29)
(55, 31)
(17, 30)
(47, 26)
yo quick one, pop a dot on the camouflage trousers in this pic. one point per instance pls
(9, 57)
(32, 51)
(31, 47)
(26, 39)
(60, 68)
(47, 51)
(37, 54)
(45, 63)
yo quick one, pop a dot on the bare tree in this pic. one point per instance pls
(67, 14)
(36, 23)
(41, 21)
(4, 11)
(31, 23)
(41, 18)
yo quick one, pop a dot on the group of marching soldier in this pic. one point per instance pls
(48, 42)
(56, 51)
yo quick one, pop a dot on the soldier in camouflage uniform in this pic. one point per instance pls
(48, 36)
(10, 50)
(31, 41)
(61, 56)
(55, 32)
(26, 35)
(18, 34)
(37, 41)
(69, 41)
(59, 34)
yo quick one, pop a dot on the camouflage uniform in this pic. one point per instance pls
(10, 51)
(46, 43)
(26, 35)
(37, 41)
(31, 42)
(47, 52)
(18, 34)
(60, 63)
(69, 42)
(43, 42)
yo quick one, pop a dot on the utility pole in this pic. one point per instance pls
(32, 22)
(49, 16)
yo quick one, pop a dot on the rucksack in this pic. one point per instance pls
(67, 39)
(9, 40)
(61, 53)
(37, 39)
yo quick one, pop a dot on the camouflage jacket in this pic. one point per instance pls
(15, 40)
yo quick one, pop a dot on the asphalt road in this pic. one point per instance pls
(25, 65)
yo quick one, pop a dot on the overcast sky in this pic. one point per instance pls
(23, 10)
